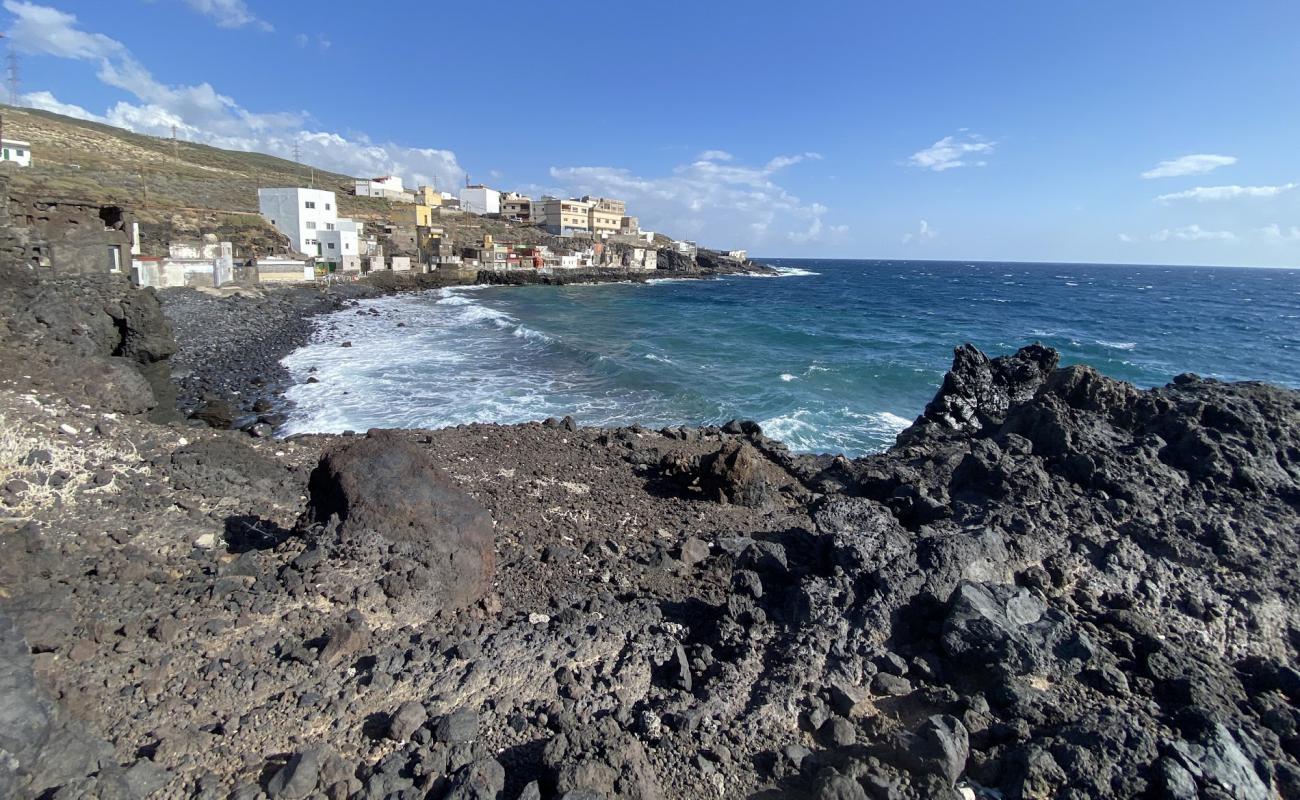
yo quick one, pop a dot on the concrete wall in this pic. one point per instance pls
(401, 264)
(284, 271)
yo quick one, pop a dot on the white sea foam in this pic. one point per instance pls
(455, 300)
(1117, 345)
(787, 377)
(657, 357)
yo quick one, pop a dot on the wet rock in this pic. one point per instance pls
(216, 413)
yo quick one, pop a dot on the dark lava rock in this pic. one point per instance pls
(940, 746)
(601, 758)
(297, 779)
(216, 414)
(408, 717)
(977, 392)
(1010, 631)
(460, 725)
(735, 474)
(383, 486)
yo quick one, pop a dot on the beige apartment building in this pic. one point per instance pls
(605, 215)
(517, 206)
(562, 217)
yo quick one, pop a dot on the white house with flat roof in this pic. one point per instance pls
(386, 186)
(480, 199)
(303, 215)
(16, 152)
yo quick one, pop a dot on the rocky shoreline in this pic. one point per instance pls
(1054, 585)
(227, 370)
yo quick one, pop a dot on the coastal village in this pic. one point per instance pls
(301, 233)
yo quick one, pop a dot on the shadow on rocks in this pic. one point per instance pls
(245, 532)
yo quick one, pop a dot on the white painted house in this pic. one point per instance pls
(16, 152)
(304, 215)
(387, 186)
(342, 242)
(480, 199)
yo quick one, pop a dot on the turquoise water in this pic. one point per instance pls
(835, 356)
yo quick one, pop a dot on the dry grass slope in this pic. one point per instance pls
(77, 158)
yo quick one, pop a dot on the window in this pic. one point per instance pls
(310, 204)
(327, 206)
(329, 226)
(330, 245)
(19, 151)
(311, 226)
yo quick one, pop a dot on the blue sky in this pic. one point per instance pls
(1073, 130)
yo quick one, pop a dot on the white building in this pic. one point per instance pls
(17, 152)
(301, 214)
(387, 186)
(480, 199)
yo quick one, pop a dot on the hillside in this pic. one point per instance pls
(87, 159)
(180, 190)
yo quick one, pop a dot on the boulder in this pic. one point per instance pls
(406, 720)
(735, 474)
(297, 779)
(386, 488)
(939, 747)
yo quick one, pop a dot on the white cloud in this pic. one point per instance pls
(229, 13)
(1192, 233)
(1124, 237)
(951, 152)
(726, 203)
(202, 114)
(923, 234)
(1197, 164)
(302, 39)
(1276, 233)
(715, 155)
(1206, 193)
(48, 102)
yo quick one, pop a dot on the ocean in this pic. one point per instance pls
(832, 356)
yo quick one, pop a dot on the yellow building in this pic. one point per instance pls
(423, 215)
(428, 196)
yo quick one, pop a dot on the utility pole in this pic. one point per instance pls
(176, 152)
(14, 76)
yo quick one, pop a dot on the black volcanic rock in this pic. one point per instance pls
(977, 392)
(383, 486)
